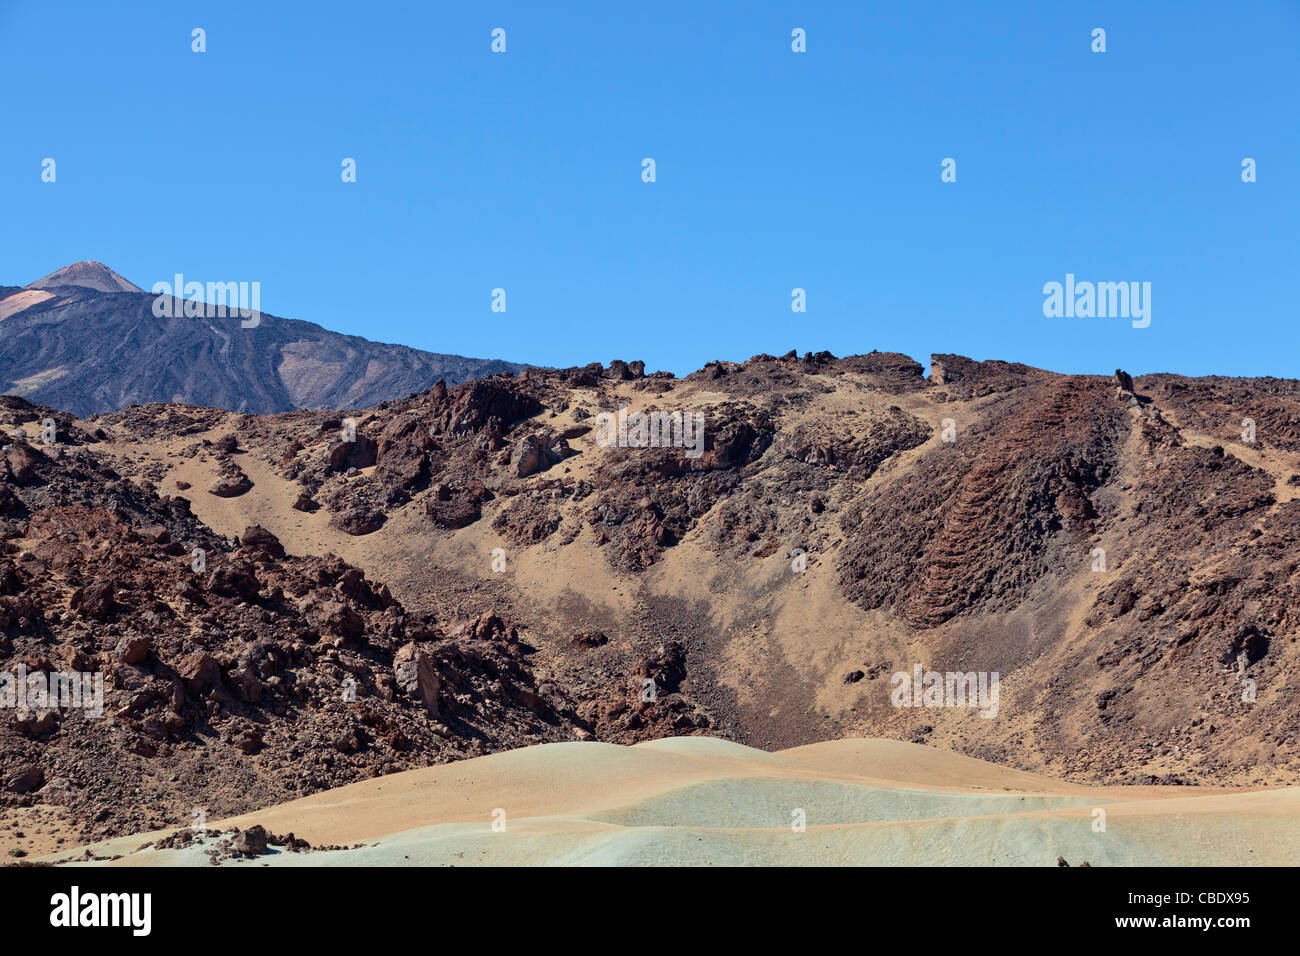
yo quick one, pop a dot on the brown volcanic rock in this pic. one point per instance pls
(453, 513)
(200, 671)
(497, 402)
(646, 499)
(590, 639)
(358, 520)
(260, 541)
(280, 657)
(335, 620)
(968, 525)
(874, 439)
(416, 676)
(534, 453)
(133, 650)
(1222, 407)
(234, 579)
(95, 600)
(231, 485)
(21, 463)
(528, 520)
(457, 506)
(487, 627)
(889, 371)
(352, 454)
(649, 703)
(24, 779)
(403, 452)
(251, 842)
(970, 378)
(976, 554)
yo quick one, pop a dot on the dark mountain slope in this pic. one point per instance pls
(78, 347)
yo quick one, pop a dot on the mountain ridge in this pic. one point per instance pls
(87, 340)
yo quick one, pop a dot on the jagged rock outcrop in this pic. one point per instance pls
(263, 677)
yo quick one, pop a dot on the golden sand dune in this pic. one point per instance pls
(705, 801)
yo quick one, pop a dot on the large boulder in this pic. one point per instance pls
(456, 507)
(357, 521)
(134, 649)
(537, 452)
(234, 579)
(529, 457)
(453, 513)
(95, 600)
(257, 539)
(336, 623)
(24, 778)
(21, 461)
(416, 677)
(199, 671)
(231, 485)
(488, 403)
(251, 842)
(352, 454)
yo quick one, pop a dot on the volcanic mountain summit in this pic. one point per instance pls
(86, 275)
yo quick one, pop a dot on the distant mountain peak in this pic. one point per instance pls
(88, 275)
(52, 336)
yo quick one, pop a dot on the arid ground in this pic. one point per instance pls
(415, 586)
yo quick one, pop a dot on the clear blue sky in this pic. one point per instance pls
(775, 170)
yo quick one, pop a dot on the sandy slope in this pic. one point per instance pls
(704, 801)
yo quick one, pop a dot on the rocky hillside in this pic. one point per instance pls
(86, 340)
(1125, 554)
(256, 677)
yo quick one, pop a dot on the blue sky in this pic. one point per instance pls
(775, 170)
